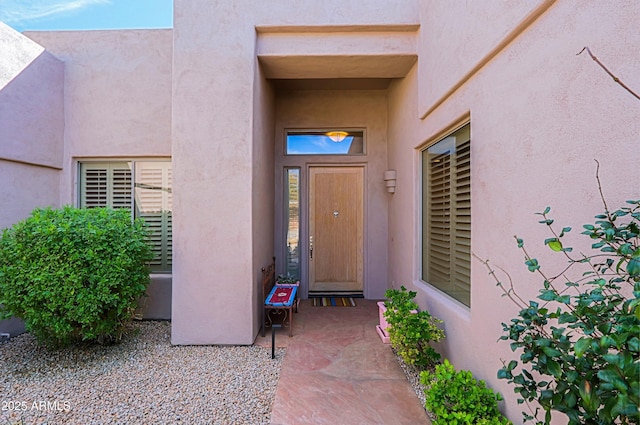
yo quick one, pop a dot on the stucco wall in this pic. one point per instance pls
(31, 132)
(117, 103)
(213, 133)
(456, 35)
(213, 112)
(262, 205)
(31, 138)
(364, 109)
(117, 94)
(31, 101)
(540, 115)
(24, 187)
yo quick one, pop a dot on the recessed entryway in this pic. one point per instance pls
(342, 162)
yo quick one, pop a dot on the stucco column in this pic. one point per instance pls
(213, 77)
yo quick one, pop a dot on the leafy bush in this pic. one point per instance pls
(457, 398)
(579, 344)
(410, 330)
(73, 274)
(287, 279)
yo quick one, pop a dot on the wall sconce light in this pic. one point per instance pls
(390, 180)
(337, 136)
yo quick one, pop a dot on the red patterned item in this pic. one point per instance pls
(282, 295)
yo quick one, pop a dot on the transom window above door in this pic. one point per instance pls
(329, 142)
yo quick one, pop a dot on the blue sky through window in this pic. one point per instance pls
(318, 144)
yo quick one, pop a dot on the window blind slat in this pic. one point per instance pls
(112, 184)
(153, 204)
(447, 214)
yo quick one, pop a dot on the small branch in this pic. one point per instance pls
(604, 202)
(510, 293)
(616, 79)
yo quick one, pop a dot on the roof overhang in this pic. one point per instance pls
(337, 52)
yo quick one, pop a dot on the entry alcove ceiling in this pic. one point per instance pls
(331, 84)
(362, 56)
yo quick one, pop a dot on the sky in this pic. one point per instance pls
(300, 144)
(27, 15)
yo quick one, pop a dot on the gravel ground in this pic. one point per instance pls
(143, 380)
(413, 376)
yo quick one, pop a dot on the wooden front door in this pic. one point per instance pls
(336, 227)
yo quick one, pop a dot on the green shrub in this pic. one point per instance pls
(410, 330)
(457, 398)
(579, 343)
(73, 274)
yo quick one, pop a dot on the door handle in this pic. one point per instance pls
(311, 247)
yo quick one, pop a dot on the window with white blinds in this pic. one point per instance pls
(446, 215)
(142, 186)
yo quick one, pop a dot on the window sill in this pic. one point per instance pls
(440, 301)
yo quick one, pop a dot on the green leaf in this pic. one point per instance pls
(554, 368)
(633, 266)
(570, 399)
(551, 352)
(567, 318)
(606, 341)
(547, 295)
(572, 376)
(612, 377)
(586, 393)
(581, 346)
(554, 244)
(625, 249)
(532, 264)
(504, 374)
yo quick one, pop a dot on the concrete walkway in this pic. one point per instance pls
(337, 371)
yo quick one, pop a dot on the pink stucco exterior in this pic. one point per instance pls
(117, 95)
(539, 117)
(217, 93)
(31, 126)
(31, 131)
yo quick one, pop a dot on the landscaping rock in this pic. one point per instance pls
(144, 379)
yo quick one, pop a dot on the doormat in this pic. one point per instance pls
(334, 302)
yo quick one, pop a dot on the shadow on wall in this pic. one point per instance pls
(12, 326)
(157, 304)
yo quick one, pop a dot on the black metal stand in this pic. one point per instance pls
(273, 340)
